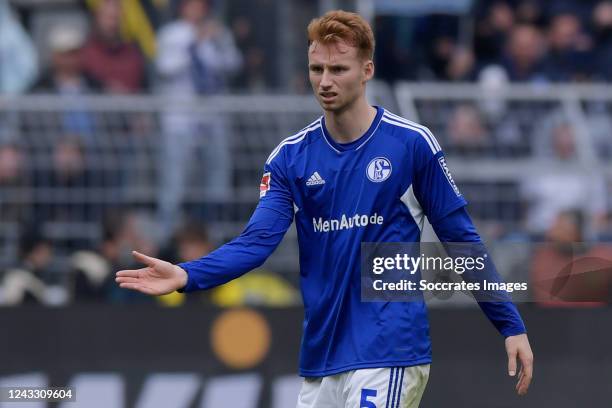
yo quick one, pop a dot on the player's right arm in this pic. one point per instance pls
(264, 232)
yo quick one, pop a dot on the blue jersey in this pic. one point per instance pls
(378, 188)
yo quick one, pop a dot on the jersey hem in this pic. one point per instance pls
(376, 364)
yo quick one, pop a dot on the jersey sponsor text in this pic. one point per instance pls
(344, 223)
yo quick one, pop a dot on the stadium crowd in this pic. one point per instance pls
(523, 40)
(115, 47)
(186, 49)
(206, 47)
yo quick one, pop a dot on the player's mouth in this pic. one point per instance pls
(327, 96)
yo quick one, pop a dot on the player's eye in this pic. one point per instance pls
(338, 70)
(316, 69)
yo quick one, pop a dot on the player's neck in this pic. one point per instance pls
(350, 124)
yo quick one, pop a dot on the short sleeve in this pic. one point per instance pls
(433, 183)
(274, 189)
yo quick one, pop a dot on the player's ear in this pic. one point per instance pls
(368, 70)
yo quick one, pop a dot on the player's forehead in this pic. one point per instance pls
(338, 52)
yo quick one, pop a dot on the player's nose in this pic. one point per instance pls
(326, 82)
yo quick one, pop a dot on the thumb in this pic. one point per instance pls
(511, 362)
(145, 259)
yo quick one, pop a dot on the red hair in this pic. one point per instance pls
(340, 25)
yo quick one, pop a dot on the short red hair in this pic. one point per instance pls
(340, 25)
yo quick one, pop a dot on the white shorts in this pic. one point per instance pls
(396, 387)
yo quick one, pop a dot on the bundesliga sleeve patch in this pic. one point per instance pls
(264, 186)
(447, 173)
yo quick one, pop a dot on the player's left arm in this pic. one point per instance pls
(444, 206)
(458, 227)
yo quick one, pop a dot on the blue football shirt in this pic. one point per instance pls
(378, 188)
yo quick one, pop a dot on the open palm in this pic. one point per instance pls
(157, 278)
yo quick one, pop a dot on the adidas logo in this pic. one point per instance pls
(315, 179)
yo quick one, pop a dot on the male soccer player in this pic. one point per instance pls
(354, 162)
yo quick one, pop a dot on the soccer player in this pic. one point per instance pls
(357, 174)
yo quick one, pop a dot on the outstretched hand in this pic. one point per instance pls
(157, 278)
(518, 346)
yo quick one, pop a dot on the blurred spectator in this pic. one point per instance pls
(91, 278)
(440, 53)
(568, 57)
(602, 27)
(66, 76)
(91, 271)
(139, 20)
(118, 65)
(535, 41)
(61, 190)
(37, 278)
(524, 55)
(189, 242)
(553, 138)
(114, 248)
(18, 58)
(564, 142)
(125, 231)
(441, 32)
(565, 271)
(492, 30)
(196, 53)
(252, 39)
(15, 191)
(560, 185)
(37, 255)
(466, 132)
(253, 77)
(21, 286)
(196, 56)
(530, 12)
(494, 81)
(507, 119)
(461, 66)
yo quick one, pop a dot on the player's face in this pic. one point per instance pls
(337, 74)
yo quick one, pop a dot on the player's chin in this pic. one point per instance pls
(330, 105)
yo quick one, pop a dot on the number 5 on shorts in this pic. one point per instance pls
(365, 394)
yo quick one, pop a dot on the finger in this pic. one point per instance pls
(511, 363)
(138, 287)
(520, 379)
(524, 387)
(131, 273)
(527, 370)
(145, 259)
(521, 386)
(127, 279)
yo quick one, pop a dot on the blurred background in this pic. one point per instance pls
(145, 124)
